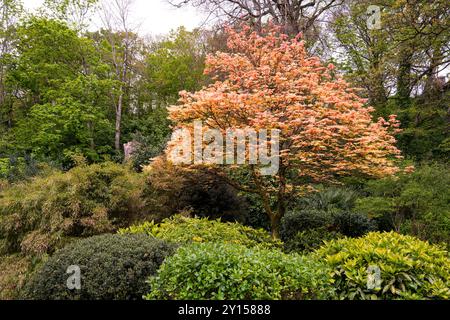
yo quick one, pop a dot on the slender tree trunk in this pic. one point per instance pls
(275, 221)
(117, 14)
(377, 91)
(404, 78)
(273, 216)
(118, 123)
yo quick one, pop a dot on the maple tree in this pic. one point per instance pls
(268, 81)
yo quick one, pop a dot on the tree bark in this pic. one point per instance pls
(404, 77)
(118, 131)
(275, 226)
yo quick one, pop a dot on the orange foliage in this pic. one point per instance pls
(269, 82)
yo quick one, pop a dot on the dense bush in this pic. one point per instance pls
(410, 268)
(182, 229)
(16, 168)
(353, 224)
(417, 204)
(347, 223)
(255, 217)
(113, 267)
(171, 189)
(16, 270)
(309, 240)
(297, 221)
(220, 271)
(3, 184)
(36, 216)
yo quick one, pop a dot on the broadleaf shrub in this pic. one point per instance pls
(409, 268)
(213, 271)
(183, 229)
(113, 267)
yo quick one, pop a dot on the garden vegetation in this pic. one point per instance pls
(360, 205)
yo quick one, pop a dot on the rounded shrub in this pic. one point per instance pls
(353, 224)
(171, 189)
(408, 268)
(182, 229)
(113, 267)
(213, 271)
(309, 240)
(297, 221)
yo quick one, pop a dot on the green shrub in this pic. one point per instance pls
(353, 224)
(417, 204)
(16, 270)
(182, 229)
(213, 271)
(39, 215)
(309, 240)
(329, 199)
(15, 168)
(3, 184)
(113, 267)
(297, 221)
(171, 189)
(410, 268)
(347, 223)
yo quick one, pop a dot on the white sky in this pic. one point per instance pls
(154, 16)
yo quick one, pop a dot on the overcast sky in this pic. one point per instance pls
(156, 16)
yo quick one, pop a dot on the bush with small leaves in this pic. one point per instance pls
(214, 271)
(408, 267)
(39, 215)
(113, 267)
(353, 224)
(296, 221)
(16, 270)
(171, 189)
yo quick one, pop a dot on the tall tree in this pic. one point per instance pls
(121, 38)
(363, 53)
(410, 49)
(270, 82)
(10, 11)
(176, 63)
(294, 16)
(77, 13)
(61, 106)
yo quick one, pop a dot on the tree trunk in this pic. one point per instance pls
(275, 226)
(404, 78)
(118, 123)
